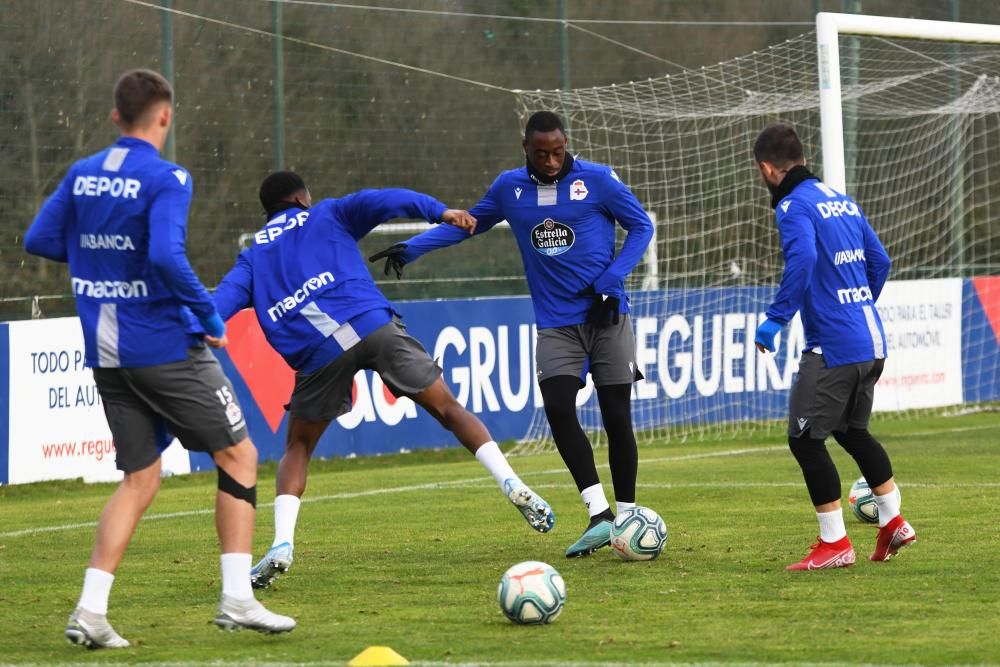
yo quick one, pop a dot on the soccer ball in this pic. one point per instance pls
(638, 533)
(531, 593)
(862, 501)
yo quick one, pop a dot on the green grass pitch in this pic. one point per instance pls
(406, 551)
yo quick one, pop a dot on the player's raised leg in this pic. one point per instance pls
(293, 471)
(438, 400)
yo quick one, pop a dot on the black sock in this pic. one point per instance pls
(606, 515)
(559, 398)
(623, 455)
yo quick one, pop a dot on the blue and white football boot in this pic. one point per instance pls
(597, 535)
(536, 511)
(276, 561)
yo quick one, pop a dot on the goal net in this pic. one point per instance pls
(921, 143)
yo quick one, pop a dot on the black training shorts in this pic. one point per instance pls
(824, 399)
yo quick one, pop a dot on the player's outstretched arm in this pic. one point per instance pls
(457, 217)
(484, 216)
(362, 211)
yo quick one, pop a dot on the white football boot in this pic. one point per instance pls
(92, 630)
(250, 615)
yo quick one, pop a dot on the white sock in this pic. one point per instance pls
(621, 507)
(492, 458)
(888, 507)
(96, 590)
(286, 513)
(236, 576)
(593, 498)
(831, 525)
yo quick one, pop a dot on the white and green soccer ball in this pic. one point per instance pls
(638, 533)
(862, 501)
(531, 593)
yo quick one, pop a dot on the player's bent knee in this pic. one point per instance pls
(810, 453)
(868, 453)
(230, 486)
(818, 469)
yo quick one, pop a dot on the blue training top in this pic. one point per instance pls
(566, 235)
(835, 268)
(119, 218)
(307, 281)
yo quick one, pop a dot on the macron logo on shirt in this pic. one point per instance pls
(181, 175)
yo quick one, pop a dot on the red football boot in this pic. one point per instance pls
(892, 537)
(826, 555)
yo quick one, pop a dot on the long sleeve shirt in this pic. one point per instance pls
(566, 236)
(119, 218)
(307, 281)
(835, 268)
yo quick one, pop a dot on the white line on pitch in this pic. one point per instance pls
(378, 492)
(472, 481)
(483, 663)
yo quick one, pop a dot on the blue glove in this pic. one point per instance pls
(213, 325)
(766, 332)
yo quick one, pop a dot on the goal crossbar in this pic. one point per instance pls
(829, 26)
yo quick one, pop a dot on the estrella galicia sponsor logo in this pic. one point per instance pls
(552, 238)
(110, 289)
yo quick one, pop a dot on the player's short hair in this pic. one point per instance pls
(278, 187)
(543, 121)
(136, 91)
(778, 144)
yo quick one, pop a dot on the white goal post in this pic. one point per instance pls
(905, 113)
(829, 27)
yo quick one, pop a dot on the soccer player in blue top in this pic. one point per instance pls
(320, 309)
(835, 268)
(562, 212)
(119, 219)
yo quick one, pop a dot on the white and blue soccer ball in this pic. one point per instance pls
(862, 501)
(638, 533)
(531, 593)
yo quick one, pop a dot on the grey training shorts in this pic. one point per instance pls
(824, 399)
(610, 352)
(399, 359)
(191, 399)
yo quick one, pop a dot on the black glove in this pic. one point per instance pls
(604, 309)
(393, 257)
